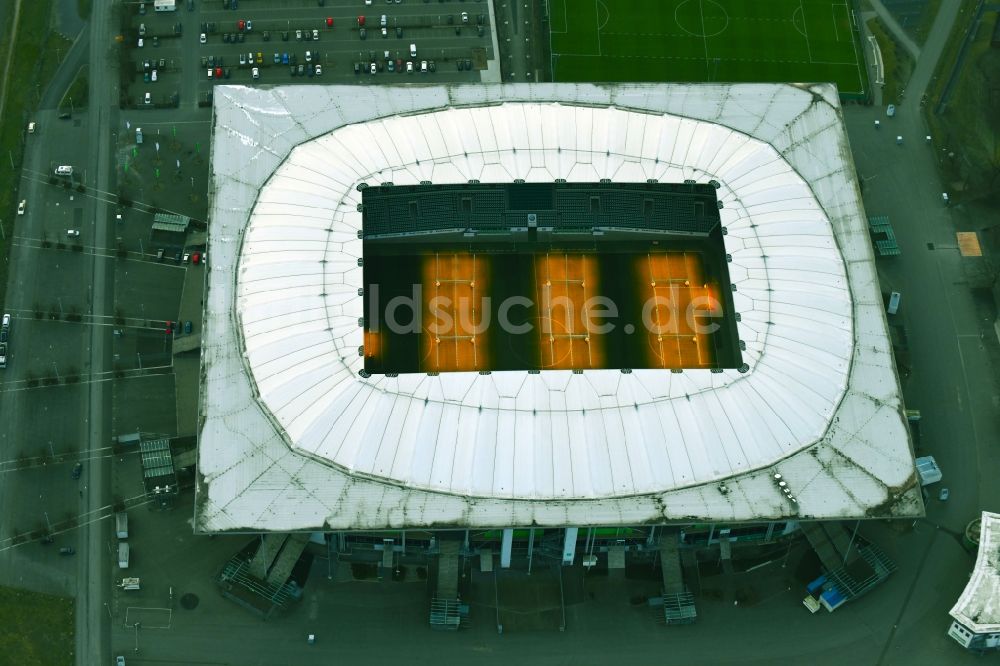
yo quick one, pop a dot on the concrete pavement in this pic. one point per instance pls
(892, 25)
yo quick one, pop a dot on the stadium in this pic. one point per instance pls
(312, 419)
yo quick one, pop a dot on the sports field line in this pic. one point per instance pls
(805, 30)
(704, 39)
(565, 30)
(677, 57)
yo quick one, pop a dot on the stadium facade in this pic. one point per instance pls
(295, 435)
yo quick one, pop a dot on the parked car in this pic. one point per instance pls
(196, 257)
(357, 68)
(153, 76)
(284, 58)
(243, 59)
(77, 470)
(362, 33)
(284, 35)
(255, 73)
(73, 233)
(187, 256)
(315, 34)
(21, 206)
(277, 58)
(249, 25)
(431, 66)
(298, 35)
(168, 328)
(399, 32)
(267, 36)
(241, 25)
(373, 68)
(67, 551)
(319, 70)
(148, 99)
(329, 21)
(187, 328)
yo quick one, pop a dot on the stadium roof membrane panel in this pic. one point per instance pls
(293, 437)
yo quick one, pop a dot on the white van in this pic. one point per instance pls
(64, 171)
(121, 525)
(123, 555)
(893, 306)
(384, 21)
(413, 50)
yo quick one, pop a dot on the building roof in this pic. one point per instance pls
(292, 437)
(171, 222)
(978, 609)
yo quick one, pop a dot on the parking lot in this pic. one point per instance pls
(189, 51)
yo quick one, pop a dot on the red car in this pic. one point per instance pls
(361, 21)
(169, 328)
(218, 72)
(241, 25)
(329, 21)
(196, 257)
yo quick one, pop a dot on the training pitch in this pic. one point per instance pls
(707, 40)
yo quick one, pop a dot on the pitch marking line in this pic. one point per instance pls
(805, 30)
(704, 38)
(833, 13)
(565, 29)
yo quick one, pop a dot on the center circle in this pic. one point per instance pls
(701, 18)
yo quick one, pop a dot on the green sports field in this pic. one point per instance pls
(706, 40)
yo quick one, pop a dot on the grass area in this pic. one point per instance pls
(927, 15)
(35, 629)
(75, 97)
(717, 40)
(30, 59)
(896, 59)
(967, 132)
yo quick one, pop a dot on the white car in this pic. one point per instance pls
(373, 68)
(309, 56)
(255, 73)
(423, 66)
(6, 320)
(368, 3)
(141, 43)
(409, 67)
(298, 35)
(243, 59)
(21, 206)
(202, 38)
(153, 76)
(210, 71)
(413, 50)
(465, 17)
(73, 233)
(315, 35)
(31, 127)
(890, 110)
(148, 99)
(187, 256)
(385, 33)
(319, 70)
(64, 170)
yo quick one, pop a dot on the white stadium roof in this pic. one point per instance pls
(978, 609)
(292, 437)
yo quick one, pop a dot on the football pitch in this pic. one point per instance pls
(807, 41)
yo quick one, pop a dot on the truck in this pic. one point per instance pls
(123, 556)
(121, 525)
(3, 355)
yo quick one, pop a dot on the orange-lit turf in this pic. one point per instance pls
(674, 279)
(563, 283)
(453, 337)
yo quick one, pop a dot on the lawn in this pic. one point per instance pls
(706, 40)
(35, 628)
